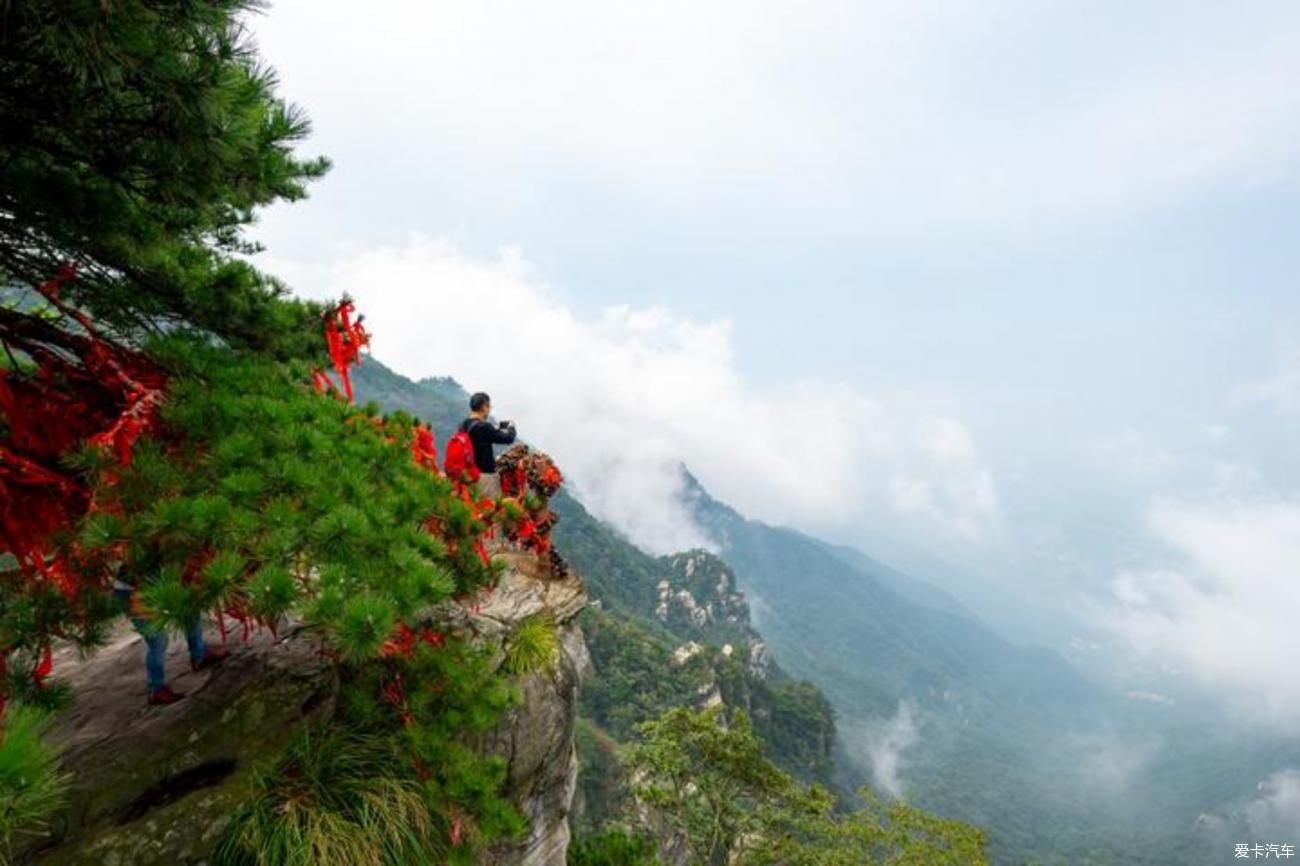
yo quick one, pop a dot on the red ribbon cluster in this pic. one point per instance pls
(424, 449)
(405, 639)
(344, 338)
(84, 388)
(72, 386)
(528, 479)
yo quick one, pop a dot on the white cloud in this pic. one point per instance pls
(623, 398)
(891, 115)
(1270, 816)
(1110, 761)
(883, 744)
(1131, 454)
(953, 487)
(1275, 811)
(1280, 391)
(1226, 610)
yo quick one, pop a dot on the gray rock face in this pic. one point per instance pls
(156, 785)
(537, 736)
(700, 591)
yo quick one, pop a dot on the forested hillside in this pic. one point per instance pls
(667, 633)
(1005, 737)
(648, 610)
(394, 656)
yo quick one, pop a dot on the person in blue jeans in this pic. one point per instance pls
(155, 654)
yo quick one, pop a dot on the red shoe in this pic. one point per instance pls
(164, 696)
(211, 659)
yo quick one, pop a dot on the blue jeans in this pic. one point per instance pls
(155, 643)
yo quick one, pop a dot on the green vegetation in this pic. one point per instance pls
(793, 719)
(264, 480)
(533, 646)
(139, 140)
(31, 786)
(388, 781)
(332, 798)
(604, 801)
(637, 680)
(731, 805)
(614, 848)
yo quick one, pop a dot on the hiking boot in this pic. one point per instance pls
(164, 696)
(211, 659)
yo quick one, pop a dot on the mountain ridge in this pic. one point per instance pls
(924, 698)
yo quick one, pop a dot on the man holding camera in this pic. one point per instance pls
(485, 436)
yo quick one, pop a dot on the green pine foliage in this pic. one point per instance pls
(301, 506)
(31, 785)
(137, 139)
(268, 498)
(20, 685)
(446, 700)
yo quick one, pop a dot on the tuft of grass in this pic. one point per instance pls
(534, 646)
(334, 797)
(32, 788)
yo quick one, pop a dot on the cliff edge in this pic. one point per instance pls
(156, 785)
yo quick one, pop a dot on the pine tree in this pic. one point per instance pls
(159, 424)
(137, 139)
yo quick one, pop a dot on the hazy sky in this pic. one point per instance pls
(1009, 286)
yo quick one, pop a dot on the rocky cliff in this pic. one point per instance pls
(156, 785)
(537, 736)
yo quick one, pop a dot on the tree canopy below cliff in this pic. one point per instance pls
(716, 791)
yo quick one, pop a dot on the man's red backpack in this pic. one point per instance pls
(459, 464)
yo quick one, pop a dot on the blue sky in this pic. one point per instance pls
(1030, 267)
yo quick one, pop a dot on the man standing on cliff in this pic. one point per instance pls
(485, 436)
(202, 657)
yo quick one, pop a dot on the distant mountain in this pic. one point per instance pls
(828, 610)
(981, 711)
(666, 630)
(907, 587)
(972, 726)
(441, 402)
